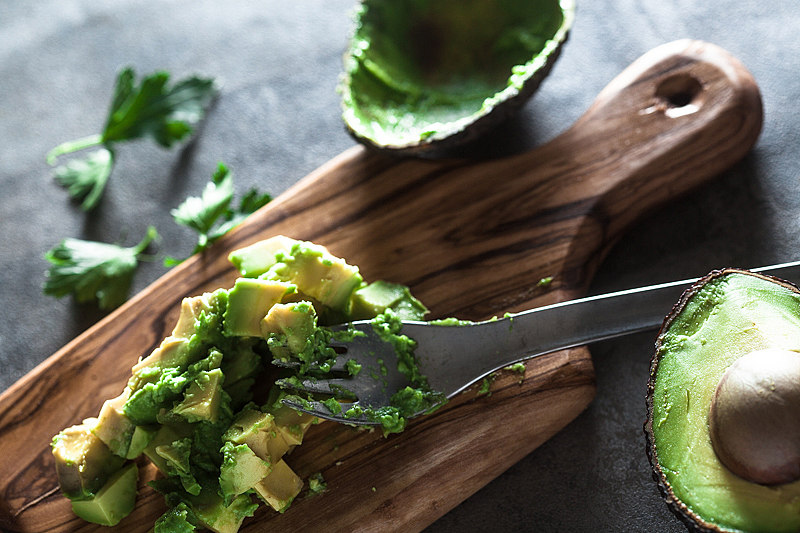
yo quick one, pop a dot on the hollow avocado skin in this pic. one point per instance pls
(725, 316)
(422, 76)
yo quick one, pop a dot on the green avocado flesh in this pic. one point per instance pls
(729, 316)
(204, 407)
(419, 71)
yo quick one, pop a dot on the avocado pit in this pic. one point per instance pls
(754, 419)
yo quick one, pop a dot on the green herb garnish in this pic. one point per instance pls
(153, 109)
(94, 270)
(211, 215)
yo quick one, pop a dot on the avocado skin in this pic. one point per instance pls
(687, 516)
(359, 82)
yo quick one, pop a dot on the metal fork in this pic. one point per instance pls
(455, 357)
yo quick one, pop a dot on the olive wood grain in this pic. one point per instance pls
(472, 239)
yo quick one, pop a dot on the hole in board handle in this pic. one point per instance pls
(678, 96)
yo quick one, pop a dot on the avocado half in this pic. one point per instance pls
(423, 76)
(723, 404)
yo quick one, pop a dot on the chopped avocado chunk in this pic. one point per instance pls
(176, 461)
(212, 512)
(83, 462)
(375, 298)
(280, 487)
(316, 351)
(291, 425)
(316, 484)
(172, 352)
(191, 309)
(207, 509)
(248, 302)
(202, 398)
(293, 323)
(165, 435)
(317, 273)
(176, 520)
(147, 403)
(142, 436)
(241, 470)
(113, 427)
(114, 501)
(257, 430)
(254, 260)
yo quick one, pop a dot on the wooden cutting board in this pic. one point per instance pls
(472, 239)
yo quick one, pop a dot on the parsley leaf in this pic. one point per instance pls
(151, 109)
(86, 178)
(210, 214)
(92, 270)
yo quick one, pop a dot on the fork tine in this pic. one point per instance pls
(321, 410)
(339, 366)
(294, 365)
(334, 387)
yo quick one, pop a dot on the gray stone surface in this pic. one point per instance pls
(278, 119)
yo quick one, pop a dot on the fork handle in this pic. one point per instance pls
(564, 325)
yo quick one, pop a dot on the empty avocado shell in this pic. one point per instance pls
(723, 405)
(423, 76)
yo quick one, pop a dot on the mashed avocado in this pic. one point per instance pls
(188, 405)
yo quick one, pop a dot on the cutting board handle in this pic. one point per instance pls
(678, 116)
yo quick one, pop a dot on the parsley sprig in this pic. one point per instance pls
(94, 270)
(152, 108)
(102, 272)
(211, 214)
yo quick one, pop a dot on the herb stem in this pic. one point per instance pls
(152, 235)
(73, 146)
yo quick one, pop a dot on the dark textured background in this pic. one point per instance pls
(277, 119)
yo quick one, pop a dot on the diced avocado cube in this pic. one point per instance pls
(114, 501)
(295, 321)
(176, 454)
(211, 511)
(202, 397)
(191, 308)
(280, 487)
(248, 421)
(241, 470)
(176, 520)
(254, 260)
(172, 352)
(242, 364)
(277, 446)
(164, 436)
(176, 458)
(373, 299)
(291, 425)
(248, 302)
(318, 274)
(204, 510)
(142, 436)
(113, 427)
(83, 461)
(258, 431)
